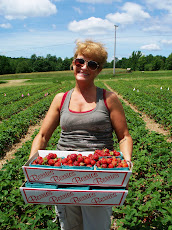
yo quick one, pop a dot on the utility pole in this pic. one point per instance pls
(114, 51)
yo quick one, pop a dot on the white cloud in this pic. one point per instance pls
(158, 28)
(151, 47)
(5, 25)
(98, 1)
(132, 13)
(161, 5)
(91, 8)
(91, 26)
(54, 26)
(167, 42)
(78, 10)
(19, 9)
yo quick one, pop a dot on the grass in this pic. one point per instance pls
(57, 76)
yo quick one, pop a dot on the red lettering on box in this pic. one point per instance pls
(105, 179)
(40, 176)
(82, 198)
(55, 199)
(98, 200)
(84, 178)
(62, 177)
(39, 197)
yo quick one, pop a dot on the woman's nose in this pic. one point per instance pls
(84, 65)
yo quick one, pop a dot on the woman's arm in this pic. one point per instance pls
(50, 123)
(119, 124)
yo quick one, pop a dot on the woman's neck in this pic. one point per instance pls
(84, 88)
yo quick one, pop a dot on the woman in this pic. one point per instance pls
(88, 116)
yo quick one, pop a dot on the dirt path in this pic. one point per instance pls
(150, 123)
(10, 154)
(13, 83)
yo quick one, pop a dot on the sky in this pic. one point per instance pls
(44, 27)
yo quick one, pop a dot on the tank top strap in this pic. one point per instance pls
(66, 100)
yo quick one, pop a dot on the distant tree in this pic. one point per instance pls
(5, 67)
(149, 58)
(148, 67)
(41, 65)
(141, 63)
(66, 63)
(52, 61)
(168, 62)
(33, 58)
(133, 60)
(23, 67)
(157, 63)
(59, 64)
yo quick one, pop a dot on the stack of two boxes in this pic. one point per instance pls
(50, 185)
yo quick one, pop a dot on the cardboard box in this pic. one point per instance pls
(52, 175)
(74, 196)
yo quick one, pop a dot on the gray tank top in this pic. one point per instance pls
(85, 131)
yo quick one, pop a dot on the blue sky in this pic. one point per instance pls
(44, 27)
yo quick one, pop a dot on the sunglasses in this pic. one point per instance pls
(92, 65)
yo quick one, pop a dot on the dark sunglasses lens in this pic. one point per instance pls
(92, 65)
(79, 62)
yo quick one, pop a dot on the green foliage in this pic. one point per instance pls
(149, 97)
(17, 125)
(148, 203)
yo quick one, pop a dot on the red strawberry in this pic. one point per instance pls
(73, 157)
(98, 164)
(39, 160)
(51, 162)
(89, 165)
(90, 156)
(115, 153)
(109, 160)
(57, 164)
(96, 157)
(104, 161)
(75, 163)
(87, 161)
(110, 165)
(80, 159)
(93, 162)
(120, 165)
(64, 160)
(104, 165)
(125, 165)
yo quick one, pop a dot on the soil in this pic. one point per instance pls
(10, 154)
(150, 124)
(13, 83)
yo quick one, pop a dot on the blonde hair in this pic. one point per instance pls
(94, 50)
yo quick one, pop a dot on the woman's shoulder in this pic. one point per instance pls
(60, 98)
(112, 99)
(110, 95)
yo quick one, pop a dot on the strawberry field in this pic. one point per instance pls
(148, 203)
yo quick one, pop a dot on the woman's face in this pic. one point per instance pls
(83, 72)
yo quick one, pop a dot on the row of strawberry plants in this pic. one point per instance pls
(154, 101)
(29, 100)
(9, 95)
(146, 206)
(16, 127)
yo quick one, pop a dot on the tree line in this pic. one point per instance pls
(136, 61)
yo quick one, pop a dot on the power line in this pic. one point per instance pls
(71, 43)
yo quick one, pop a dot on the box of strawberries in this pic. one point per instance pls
(36, 193)
(98, 168)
